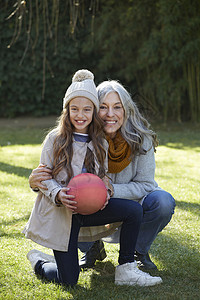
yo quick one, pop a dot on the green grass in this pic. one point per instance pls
(176, 250)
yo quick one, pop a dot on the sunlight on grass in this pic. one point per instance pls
(20, 155)
(179, 170)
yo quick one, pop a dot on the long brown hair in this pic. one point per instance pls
(63, 150)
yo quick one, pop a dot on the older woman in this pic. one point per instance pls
(131, 170)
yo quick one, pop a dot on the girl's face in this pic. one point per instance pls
(81, 113)
(112, 113)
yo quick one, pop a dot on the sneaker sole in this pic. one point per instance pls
(135, 283)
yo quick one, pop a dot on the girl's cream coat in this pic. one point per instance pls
(50, 224)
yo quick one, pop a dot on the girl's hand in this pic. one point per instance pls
(39, 174)
(67, 199)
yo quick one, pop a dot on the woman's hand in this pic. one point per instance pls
(110, 190)
(67, 199)
(107, 199)
(39, 174)
(108, 185)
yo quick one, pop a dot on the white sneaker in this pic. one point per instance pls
(35, 255)
(129, 274)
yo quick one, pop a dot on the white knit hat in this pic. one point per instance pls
(82, 86)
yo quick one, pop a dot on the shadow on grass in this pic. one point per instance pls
(19, 171)
(194, 208)
(77, 291)
(106, 276)
(178, 257)
(182, 145)
(8, 230)
(179, 136)
(180, 141)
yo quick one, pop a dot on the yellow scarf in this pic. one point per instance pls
(119, 153)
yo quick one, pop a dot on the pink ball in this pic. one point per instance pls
(90, 193)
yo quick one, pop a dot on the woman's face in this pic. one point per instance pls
(81, 113)
(112, 113)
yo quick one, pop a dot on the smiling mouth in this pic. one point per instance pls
(80, 121)
(110, 122)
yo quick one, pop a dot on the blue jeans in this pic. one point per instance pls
(66, 269)
(158, 208)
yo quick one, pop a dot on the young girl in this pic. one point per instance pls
(77, 146)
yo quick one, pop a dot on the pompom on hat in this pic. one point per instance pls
(82, 86)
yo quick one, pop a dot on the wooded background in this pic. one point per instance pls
(151, 46)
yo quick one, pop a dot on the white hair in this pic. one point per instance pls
(135, 126)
